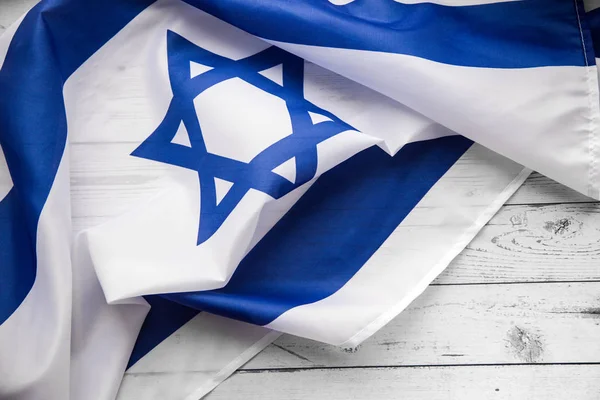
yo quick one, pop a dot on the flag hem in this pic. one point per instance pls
(587, 44)
(441, 265)
(230, 368)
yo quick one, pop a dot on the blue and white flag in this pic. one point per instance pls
(181, 181)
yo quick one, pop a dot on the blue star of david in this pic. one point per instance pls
(258, 173)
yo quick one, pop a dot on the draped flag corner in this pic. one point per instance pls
(181, 181)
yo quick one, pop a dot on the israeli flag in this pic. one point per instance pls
(182, 181)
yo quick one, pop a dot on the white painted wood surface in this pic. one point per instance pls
(516, 315)
(526, 382)
(466, 325)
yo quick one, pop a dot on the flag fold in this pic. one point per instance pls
(182, 181)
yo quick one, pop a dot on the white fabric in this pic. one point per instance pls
(539, 108)
(102, 334)
(124, 82)
(422, 246)
(129, 267)
(116, 253)
(36, 365)
(86, 343)
(195, 359)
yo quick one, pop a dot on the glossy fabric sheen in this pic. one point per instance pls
(33, 130)
(517, 34)
(363, 200)
(78, 30)
(300, 261)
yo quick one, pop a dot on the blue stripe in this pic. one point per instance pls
(592, 21)
(32, 136)
(520, 34)
(54, 39)
(164, 318)
(17, 261)
(330, 232)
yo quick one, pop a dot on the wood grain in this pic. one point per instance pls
(475, 324)
(528, 382)
(532, 244)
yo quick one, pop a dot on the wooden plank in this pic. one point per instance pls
(531, 382)
(532, 243)
(12, 10)
(474, 324)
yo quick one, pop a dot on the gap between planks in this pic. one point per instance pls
(391, 367)
(472, 325)
(531, 382)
